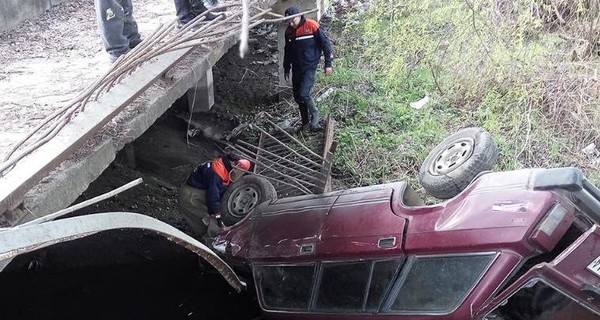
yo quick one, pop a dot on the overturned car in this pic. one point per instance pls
(513, 245)
(509, 245)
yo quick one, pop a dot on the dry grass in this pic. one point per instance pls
(526, 70)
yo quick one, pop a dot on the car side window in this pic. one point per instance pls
(285, 287)
(438, 284)
(354, 286)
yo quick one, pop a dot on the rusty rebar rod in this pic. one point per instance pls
(157, 43)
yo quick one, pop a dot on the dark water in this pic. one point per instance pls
(119, 275)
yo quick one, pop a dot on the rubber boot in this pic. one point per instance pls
(183, 12)
(304, 116)
(315, 117)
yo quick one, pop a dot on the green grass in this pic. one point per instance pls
(476, 72)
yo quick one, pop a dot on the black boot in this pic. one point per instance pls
(304, 116)
(184, 12)
(315, 117)
(198, 8)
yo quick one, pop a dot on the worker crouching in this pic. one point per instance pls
(200, 195)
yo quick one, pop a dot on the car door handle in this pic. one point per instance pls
(389, 242)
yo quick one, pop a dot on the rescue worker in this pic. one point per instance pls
(118, 29)
(305, 41)
(187, 10)
(201, 193)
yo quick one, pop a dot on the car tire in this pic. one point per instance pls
(242, 196)
(451, 166)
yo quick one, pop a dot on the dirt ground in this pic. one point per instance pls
(46, 62)
(134, 275)
(165, 154)
(131, 275)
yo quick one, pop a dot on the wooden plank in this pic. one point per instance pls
(261, 144)
(328, 151)
(328, 135)
(33, 168)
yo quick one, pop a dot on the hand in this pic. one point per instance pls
(286, 76)
(328, 70)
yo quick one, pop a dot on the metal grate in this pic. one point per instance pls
(294, 167)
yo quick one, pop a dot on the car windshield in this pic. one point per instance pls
(541, 302)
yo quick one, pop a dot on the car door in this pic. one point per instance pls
(290, 228)
(566, 288)
(362, 224)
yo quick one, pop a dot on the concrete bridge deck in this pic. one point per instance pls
(46, 63)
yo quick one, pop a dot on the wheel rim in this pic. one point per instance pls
(243, 201)
(452, 157)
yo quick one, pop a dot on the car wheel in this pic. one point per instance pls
(456, 161)
(242, 196)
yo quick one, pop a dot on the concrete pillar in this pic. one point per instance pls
(281, 52)
(202, 96)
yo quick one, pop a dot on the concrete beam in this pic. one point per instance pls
(201, 97)
(63, 185)
(32, 169)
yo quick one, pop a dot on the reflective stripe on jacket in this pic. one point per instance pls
(304, 46)
(214, 178)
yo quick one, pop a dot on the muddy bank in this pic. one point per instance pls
(132, 274)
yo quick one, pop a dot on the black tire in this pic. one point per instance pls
(456, 161)
(242, 196)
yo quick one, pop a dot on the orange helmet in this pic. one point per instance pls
(243, 164)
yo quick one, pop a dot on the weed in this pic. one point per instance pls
(481, 64)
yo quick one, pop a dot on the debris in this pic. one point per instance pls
(420, 103)
(325, 94)
(263, 63)
(592, 153)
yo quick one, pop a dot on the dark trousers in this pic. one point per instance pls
(302, 83)
(118, 29)
(187, 10)
(192, 203)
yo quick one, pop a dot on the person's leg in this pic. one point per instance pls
(183, 12)
(296, 89)
(305, 86)
(110, 17)
(130, 27)
(315, 116)
(192, 203)
(198, 7)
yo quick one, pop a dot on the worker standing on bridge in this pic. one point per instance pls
(305, 41)
(118, 29)
(201, 193)
(187, 10)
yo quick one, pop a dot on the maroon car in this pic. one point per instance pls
(512, 245)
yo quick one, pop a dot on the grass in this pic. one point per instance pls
(514, 75)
